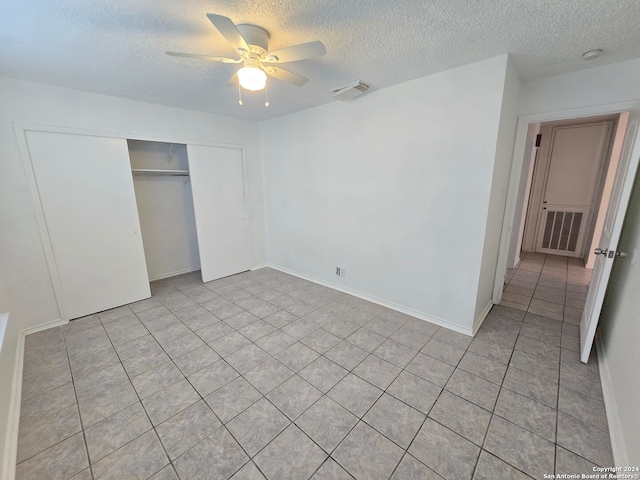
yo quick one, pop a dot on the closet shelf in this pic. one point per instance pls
(149, 171)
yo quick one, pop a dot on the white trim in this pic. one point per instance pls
(44, 326)
(517, 259)
(247, 201)
(620, 456)
(30, 177)
(481, 318)
(13, 422)
(259, 266)
(21, 126)
(369, 298)
(4, 321)
(580, 112)
(173, 274)
(516, 171)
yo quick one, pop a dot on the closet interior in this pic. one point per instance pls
(165, 207)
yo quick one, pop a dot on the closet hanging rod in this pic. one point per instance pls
(149, 171)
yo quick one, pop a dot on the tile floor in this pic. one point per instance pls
(551, 286)
(263, 375)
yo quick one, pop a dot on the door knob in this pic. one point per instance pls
(621, 254)
(601, 251)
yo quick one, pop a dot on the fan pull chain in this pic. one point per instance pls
(266, 94)
(239, 94)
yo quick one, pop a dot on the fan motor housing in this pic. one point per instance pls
(255, 37)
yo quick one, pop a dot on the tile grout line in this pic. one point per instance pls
(292, 422)
(144, 409)
(557, 410)
(361, 419)
(351, 371)
(222, 424)
(75, 391)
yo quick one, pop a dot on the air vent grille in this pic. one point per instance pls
(350, 90)
(561, 231)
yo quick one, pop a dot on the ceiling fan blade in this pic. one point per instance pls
(203, 57)
(286, 76)
(229, 31)
(296, 52)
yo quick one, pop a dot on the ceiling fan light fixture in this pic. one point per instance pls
(251, 44)
(252, 78)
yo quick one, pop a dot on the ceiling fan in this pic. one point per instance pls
(252, 44)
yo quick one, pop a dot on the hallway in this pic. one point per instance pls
(548, 285)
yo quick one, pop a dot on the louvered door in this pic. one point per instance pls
(576, 160)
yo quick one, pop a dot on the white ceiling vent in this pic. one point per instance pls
(350, 90)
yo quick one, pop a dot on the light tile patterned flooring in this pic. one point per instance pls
(551, 286)
(264, 375)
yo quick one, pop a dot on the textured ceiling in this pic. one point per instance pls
(115, 47)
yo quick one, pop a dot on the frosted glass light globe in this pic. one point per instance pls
(252, 78)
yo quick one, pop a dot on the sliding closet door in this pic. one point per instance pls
(86, 192)
(217, 182)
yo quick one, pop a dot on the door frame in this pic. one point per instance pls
(589, 220)
(20, 130)
(517, 161)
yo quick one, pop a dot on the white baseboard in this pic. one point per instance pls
(259, 266)
(369, 298)
(11, 439)
(516, 262)
(13, 422)
(173, 274)
(44, 326)
(620, 455)
(480, 320)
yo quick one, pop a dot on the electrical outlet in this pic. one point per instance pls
(338, 271)
(341, 272)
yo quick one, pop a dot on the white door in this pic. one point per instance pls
(85, 189)
(614, 220)
(217, 183)
(574, 169)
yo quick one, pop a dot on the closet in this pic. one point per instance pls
(106, 235)
(165, 207)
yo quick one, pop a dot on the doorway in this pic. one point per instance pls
(567, 182)
(552, 286)
(571, 166)
(566, 189)
(612, 218)
(570, 161)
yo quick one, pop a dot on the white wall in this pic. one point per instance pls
(498, 199)
(27, 293)
(522, 201)
(604, 85)
(619, 329)
(165, 208)
(393, 186)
